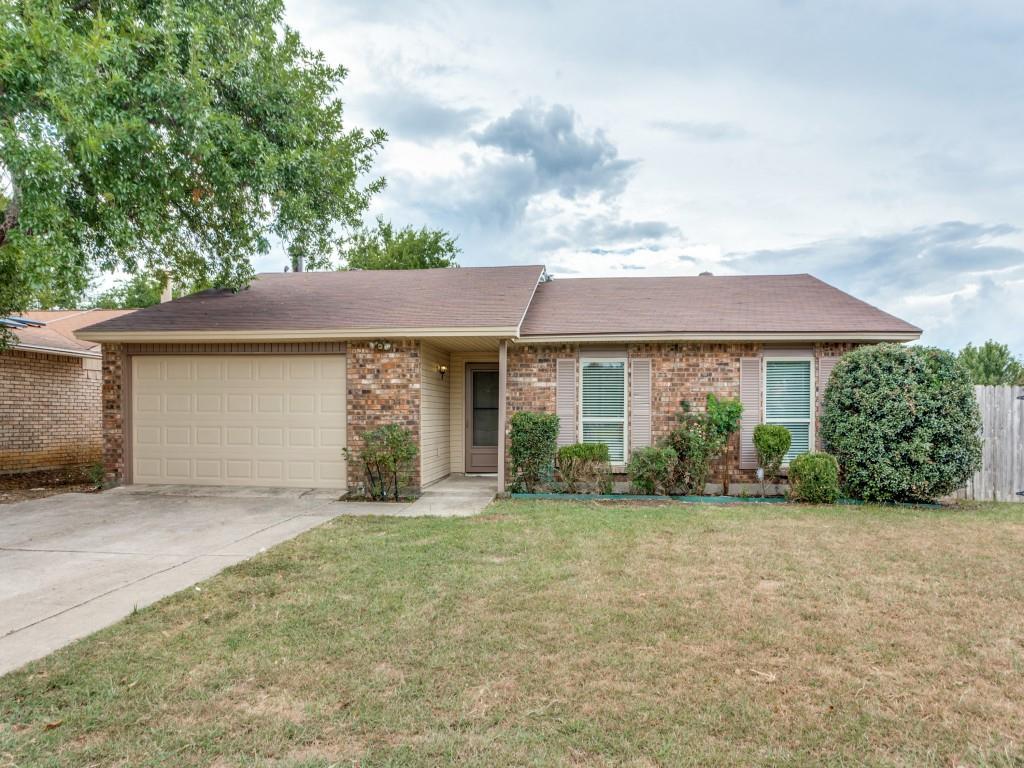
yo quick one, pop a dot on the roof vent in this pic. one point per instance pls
(706, 274)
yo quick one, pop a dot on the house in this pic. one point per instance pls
(50, 390)
(265, 386)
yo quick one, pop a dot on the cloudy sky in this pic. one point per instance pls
(877, 145)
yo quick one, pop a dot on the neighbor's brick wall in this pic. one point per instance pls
(383, 388)
(49, 411)
(113, 415)
(683, 371)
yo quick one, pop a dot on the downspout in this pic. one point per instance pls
(502, 370)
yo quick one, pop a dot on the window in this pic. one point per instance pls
(789, 401)
(603, 405)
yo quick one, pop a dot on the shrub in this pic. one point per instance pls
(97, 474)
(386, 456)
(814, 478)
(532, 441)
(585, 463)
(903, 423)
(699, 439)
(772, 441)
(650, 470)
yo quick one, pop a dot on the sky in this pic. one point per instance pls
(876, 145)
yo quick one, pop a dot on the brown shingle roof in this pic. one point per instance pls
(59, 332)
(471, 297)
(702, 304)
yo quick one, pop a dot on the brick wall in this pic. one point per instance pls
(49, 411)
(383, 388)
(113, 416)
(682, 371)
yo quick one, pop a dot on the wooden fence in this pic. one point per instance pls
(1002, 470)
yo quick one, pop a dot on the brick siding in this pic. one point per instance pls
(49, 411)
(113, 416)
(383, 388)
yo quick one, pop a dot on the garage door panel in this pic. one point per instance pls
(239, 420)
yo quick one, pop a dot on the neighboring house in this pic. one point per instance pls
(50, 389)
(265, 386)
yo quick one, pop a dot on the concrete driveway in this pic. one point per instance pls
(75, 563)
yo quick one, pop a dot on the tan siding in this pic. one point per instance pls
(435, 415)
(457, 410)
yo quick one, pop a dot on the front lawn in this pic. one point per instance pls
(547, 633)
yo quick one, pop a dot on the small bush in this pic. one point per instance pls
(699, 439)
(386, 456)
(903, 423)
(585, 464)
(772, 441)
(97, 474)
(650, 470)
(532, 441)
(814, 478)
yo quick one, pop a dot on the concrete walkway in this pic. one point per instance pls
(455, 496)
(74, 563)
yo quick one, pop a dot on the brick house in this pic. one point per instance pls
(265, 386)
(50, 391)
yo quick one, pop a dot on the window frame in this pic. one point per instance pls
(583, 360)
(812, 389)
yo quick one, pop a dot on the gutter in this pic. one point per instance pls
(271, 335)
(713, 336)
(58, 351)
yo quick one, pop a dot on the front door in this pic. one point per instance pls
(482, 417)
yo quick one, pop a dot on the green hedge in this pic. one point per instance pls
(772, 442)
(532, 441)
(650, 470)
(903, 423)
(585, 466)
(814, 478)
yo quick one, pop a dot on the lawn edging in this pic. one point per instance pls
(707, 499)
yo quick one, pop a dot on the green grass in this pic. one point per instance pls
(546, 633)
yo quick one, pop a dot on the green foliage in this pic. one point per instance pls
(772, 441)
(97, 474)
(141, 290)
(814, 478)
(533, 438)
(180, 136)
(991, 363)
(585, 464)
(651, 469)
(386, 456)
(408, 248)
(903, 423)
(699, 439)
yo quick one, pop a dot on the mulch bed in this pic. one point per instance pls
(36, 485)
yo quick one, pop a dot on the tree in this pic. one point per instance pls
(992, 363)
(142, 290)
(408, 248)
(177, 136)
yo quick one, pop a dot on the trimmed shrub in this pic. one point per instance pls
(386, 456)
(903, 423)
(699, 439)
(532, 441)
(650, 470)
(814, 478)
(585, 464)
(772, 441)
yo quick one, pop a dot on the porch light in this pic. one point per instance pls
(442, 370)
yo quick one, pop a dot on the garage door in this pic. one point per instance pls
(272, 420)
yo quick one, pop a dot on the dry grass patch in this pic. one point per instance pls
(565, 634)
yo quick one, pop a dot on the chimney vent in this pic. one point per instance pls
(706, 274)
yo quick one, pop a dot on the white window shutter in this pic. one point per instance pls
(750, 398)
(565, 400)
(640, 405)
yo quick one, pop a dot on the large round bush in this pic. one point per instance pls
(903, 423)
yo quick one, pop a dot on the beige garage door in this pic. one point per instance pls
(239, 420)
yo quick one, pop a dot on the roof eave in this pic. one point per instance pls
(282, 335)
(58, 351)
(807, 336)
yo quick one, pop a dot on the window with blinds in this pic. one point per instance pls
(603, 405)
(789, 401)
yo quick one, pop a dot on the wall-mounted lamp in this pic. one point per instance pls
(382, 345)
(442, 370)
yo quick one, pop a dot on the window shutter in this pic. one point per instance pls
(750, 397)
(565, 400)
(640, 405)
(825, 366)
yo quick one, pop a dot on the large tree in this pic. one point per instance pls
(142, 290)
(385, 248)
(992, 363)
(174, 136)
